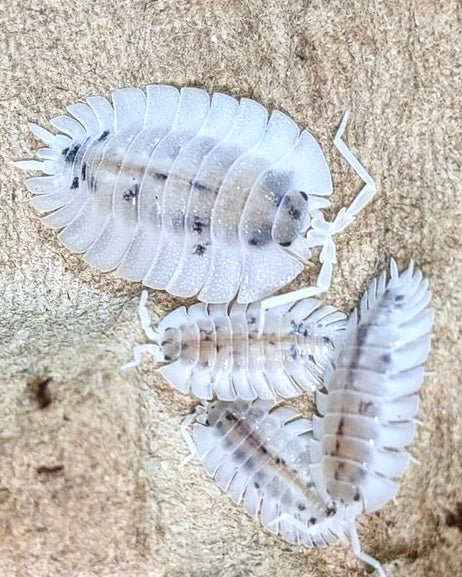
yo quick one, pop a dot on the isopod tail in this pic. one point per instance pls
(367, 408)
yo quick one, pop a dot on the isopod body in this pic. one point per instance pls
(369, 401)
(193, 194)
(259, 453)
(216, 350)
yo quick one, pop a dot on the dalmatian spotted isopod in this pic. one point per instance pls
(208, 350)
(309, 481)
(370, 398)
(190, 193)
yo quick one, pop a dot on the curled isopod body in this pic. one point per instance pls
(259, 453)
(370, 399)
(208, 350)
(190, 193)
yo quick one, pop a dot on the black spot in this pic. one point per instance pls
(199, 249)
(70, 153)
(230, 417)
(356, 497)
(256, 485)
(293, 352)
(197, 185)
(303, 195)
(84, 171)
(264, 450)
(167, 357)
(207, 338)
(261, 236)
(278, 460)
(386, 358)
(131, 193)
(330, 511)
(75, 182)
(311, 359)
(399, 298)
(286, 243)
(92, 183)
(103, 136)
(301, 507)
(198, 226)
(160, 176)
(294, 212)
(364, 407)
(341, 426)
(312, 520)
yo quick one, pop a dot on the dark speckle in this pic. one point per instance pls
(301, 507)
(261, 236)
(364, 407)
(70, 153)
(330, 511)
(341, 426)
(167, 358)
(256, 485)
(160, 176)
(131, 193)
(303, 195)
(286, 243)
(84, 171)
(198, 226)
(75, 182)
(264, 450)
(103, 136)
(312, 520)
(356, 497)
(198, 186)
(294, 213)
(199, 249)
(230, 417)
(386, 358)
(293, 352)
(399, 298)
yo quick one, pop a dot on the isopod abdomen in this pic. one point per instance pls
(208, 350)
(193, 194)
(370, 399)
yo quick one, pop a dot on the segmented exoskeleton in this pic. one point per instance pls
(208, 350)
(193, 194)
(307, 481)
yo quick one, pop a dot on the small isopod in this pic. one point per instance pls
(208, 350)
(259, 453)
(370, 399)
(193, 194)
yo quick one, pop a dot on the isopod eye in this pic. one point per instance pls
(292, 218)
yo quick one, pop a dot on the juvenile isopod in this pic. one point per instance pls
(216, 350)
(197, 195)
(259, 453)
(371, 397)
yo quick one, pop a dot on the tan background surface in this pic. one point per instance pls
(121, 504)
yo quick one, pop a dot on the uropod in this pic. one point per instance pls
(308, 481)
(217, 350)
(199, 195)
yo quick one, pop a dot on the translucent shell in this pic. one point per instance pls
(208, 350)
(198, 195)
(370, 399)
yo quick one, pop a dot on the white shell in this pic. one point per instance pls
(209, 351)
(259, 453)
(369, 402)
(193, 194)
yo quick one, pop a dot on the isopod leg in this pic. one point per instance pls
(185, 432)
(345, 215)
(138, 351)
(356, 547)
(145, 319)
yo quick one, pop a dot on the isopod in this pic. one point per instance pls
(259, 453)
(208, 350)
(370, 398)
(193, 194)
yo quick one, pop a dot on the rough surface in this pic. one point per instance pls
(91, 484)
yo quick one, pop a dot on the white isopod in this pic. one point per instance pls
(306, 481)
(208, 350)
(371, 397)
(259, 453)
(193, 194)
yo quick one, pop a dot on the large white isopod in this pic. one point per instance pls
(191, 193)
